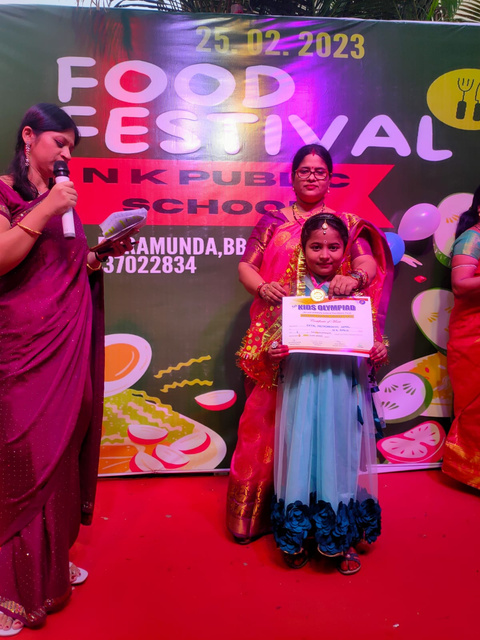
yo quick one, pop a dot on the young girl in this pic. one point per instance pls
(266, 273)
(324, 432)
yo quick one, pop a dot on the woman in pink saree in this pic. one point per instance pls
(51, 375)
(461, 459)
(264, 273)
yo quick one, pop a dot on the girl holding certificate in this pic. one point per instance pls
(325, 490)
(265, 272)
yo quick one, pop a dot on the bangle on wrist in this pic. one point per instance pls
(94, 268)
(361, 277)
(260, 288)
(31, 232)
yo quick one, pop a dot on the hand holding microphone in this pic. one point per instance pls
(62, 174)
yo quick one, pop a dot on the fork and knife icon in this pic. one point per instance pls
(465, 85)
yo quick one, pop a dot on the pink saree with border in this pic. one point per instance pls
(461, 458)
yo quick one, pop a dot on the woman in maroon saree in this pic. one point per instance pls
(51, 374)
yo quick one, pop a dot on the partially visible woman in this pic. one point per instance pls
(462, 453)
(51, 374)
(263, 272)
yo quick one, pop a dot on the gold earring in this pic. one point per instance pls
(27, 154)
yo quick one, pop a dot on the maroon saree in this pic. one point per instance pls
(51, 390)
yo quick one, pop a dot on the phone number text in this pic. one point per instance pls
(150, 264)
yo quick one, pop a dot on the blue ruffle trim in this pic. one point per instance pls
(333, 532)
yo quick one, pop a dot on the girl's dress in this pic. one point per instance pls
(324, 453)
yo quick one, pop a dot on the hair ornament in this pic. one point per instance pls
(324, 227)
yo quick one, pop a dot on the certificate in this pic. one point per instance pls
(340, 325)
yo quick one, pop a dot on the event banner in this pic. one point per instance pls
(196, 118)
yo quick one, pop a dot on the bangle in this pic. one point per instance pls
(93, 269)
(28, 230)
(361, 277)
(100, 259)
(260, 287)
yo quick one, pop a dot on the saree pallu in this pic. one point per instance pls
(51, 379)
(250, 488)
(275, 251)
(461, 459)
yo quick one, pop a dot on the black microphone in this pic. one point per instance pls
(61, 173)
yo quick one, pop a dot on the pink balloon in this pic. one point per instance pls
(419, 222)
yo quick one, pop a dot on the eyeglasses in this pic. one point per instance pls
(319, 174)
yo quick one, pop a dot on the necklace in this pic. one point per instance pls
(298, 216)
(318, 294)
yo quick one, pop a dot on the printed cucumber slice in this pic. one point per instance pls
(433, 368)
(423, 443)
(450, 209)
(431, 311)
(404, 396)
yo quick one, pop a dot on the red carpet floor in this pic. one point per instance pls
(162, 567)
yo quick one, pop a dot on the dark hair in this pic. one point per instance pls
(315, 222)
(41, 117)
(315, 149)
(469, 217)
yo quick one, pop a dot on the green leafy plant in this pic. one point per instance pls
(436, 10)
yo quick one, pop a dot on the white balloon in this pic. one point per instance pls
(419, 222)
